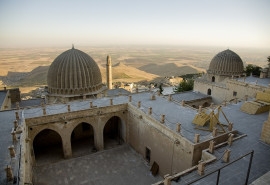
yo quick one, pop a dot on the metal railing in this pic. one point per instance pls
(219, 169)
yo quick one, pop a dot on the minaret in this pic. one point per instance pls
(109, 72)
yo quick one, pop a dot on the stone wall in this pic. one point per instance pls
(228, 91)
(218, 92)
(6, 104)
(15, 95)
(265, 135)
(171, 151)
(65, 123)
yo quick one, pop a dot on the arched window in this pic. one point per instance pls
(209, 92)
(213, 78)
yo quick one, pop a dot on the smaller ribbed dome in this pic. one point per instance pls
(226, 63)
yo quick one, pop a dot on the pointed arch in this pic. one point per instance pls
(82, 139)
(113, 132)
(47, 146)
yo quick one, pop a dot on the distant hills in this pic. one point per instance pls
(169, 69)
(37, 76)
(120, 72)
(124, 73)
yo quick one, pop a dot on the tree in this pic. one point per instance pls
(255, 70)
(185, 85)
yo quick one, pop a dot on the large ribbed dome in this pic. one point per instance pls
(74, 73)
(226, 63)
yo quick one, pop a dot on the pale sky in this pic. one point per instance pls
(53, 23)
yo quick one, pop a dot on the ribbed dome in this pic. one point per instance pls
(226, 63)
(74, 73)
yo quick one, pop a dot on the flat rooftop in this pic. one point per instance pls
(251, 125)
(6, 125)
(119, 166)
(255, 81)
(173, 111)
(3, 95)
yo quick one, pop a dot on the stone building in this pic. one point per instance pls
(82, 117)
(225, 80)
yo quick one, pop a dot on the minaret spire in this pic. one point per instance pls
(109, 72)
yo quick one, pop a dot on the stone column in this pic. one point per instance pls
(170, 97)
(183, 103)
(15, 122)
(150, 110)
(11, 151)
(178, 127)
(9, 173)
(230, 126)
(17, 105)
(111, 101)
(200, 109)
(226, 156)
(67, 149)
(211, 146)
(91, 104)
(139, 104)
(201, 167)
(167, 179)
(68, 108)
(197, 138)
(98, 133)
(14, 137)
(17, 115)
(162, 118)
(44, 110)
(214, 132)
(230, 139)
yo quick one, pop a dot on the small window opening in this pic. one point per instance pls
(147, 154)
(209, 92)
(213, 79)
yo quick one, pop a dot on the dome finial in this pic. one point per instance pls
(72, 46)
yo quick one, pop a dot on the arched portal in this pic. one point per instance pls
(112, 133)
(47, 146)
(209, 92)
(82, 140)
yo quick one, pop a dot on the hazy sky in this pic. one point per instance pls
(226, 23)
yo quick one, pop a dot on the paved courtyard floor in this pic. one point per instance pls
(117, 166)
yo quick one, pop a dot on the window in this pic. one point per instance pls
(209, 92)
(213, 79)
(234, 93)
(147, 154)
